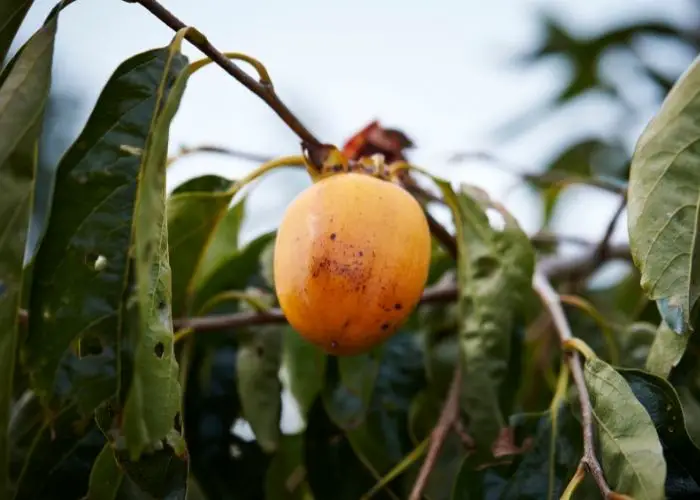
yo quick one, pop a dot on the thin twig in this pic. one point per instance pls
(603, 247)
(551, 301)
(262, 90)
(449, 414)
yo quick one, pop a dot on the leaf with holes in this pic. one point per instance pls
(194, 211)
(82, 265)
(663, 203)
(495, 270)
(24, 89)
(153, 398)
(259, 387)
(632, 456)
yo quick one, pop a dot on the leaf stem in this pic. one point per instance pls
(263, 88)
(550, 299)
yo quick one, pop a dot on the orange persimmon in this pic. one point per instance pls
(351, 260)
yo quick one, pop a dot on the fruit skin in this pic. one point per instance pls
(351, 260)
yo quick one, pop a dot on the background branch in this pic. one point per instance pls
(550, 299)
(264, 91)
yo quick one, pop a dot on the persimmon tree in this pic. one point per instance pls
(141, 330)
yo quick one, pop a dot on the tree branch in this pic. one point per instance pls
(263, 90)
(438, 293)
(551, 301)
(448, 416)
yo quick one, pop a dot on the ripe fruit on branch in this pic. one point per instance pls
(351, 261)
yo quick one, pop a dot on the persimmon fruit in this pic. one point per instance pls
(351, 260)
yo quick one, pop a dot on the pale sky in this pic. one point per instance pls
(439, 71)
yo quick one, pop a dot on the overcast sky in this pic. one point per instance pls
(438, 70)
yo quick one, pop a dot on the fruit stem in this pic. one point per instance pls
(284, 161)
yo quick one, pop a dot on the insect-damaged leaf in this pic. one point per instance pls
(24, 87)
(632, 456)
(663, 203)
(495, 274)
(82, 266)
(153, 400)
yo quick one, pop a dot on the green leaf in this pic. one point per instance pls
(663, 198)
(232, 272)
(153, 400)
(285, 475)
(12, 13)
(23, 93)
(636, 341)
(60, 457)
(193, 213)
(106, 476)
(632, 456)
(224, 242)
(259, 387)
(305, 364)
(382, 440)
(348, 387)
(664, 407)
(82, 266)
(666, 351)
(495, 273)
(545, 469)
(333, 469)
(162, 474)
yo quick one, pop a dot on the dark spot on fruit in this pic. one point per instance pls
(260, 351)
(332, 236)
(397, 306)
(159, 349)
(334, 344)
(385, 326)
(360, 254)
(346, 324)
